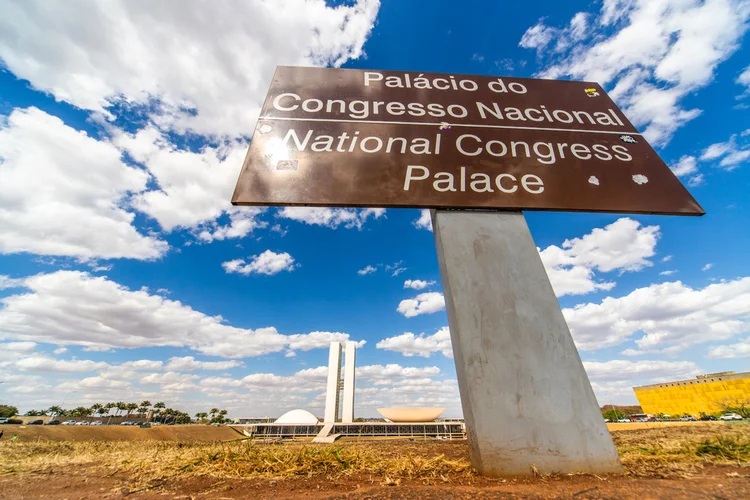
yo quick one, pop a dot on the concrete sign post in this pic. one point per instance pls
(525, 395)
(351, 138)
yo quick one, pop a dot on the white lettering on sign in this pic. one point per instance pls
(480, 182)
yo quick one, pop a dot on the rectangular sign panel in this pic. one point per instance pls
(339, 137)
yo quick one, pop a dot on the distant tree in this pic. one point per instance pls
(54, 410)
(740, 406)
(33, 413)
(613, 414)
(7, 411)
(121, 406)
(201, 416)
(144, 407)
(131, 407)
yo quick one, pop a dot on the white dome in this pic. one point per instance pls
(297, 417)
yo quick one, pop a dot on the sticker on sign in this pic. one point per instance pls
(352, 138)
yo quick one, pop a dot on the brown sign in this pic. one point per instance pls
(336, 137)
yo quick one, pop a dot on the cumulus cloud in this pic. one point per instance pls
(737, 350)
(48, 364)
(157, 56)
(424, 221)
(331, 217)
(418, 284)
(189, 363)
(423, 345)
(656, 55)
(194, 188)
(75, 308)
(666, 317)
(424, 303)
(623, 246)
(65, 193)
(267, 263)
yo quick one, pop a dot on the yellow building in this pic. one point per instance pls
(693, 397)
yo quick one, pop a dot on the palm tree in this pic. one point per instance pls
(94, 408)
(143, 408)
(158, 407)
(54, 410)
(131, 407)
(201, 415)
(101, 411)
(213, 412)
(121, 406)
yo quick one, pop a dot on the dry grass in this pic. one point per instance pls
(665, 452)
(238, 459)
(681, 451)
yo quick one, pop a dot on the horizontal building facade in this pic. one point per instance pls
(704, 394)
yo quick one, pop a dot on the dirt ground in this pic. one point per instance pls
(695, 462)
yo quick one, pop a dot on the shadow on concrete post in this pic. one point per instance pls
(525, 395)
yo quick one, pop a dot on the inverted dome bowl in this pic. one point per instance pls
(406, 414)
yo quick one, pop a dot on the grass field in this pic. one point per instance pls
(697, 456)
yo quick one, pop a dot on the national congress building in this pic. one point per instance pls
(704, 394)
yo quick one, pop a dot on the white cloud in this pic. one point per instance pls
(658, 53)
(10, 351)
(194, 188)
(537, 37)
(424, 303)
(668, 272)
(391, 371)
(744, 79)
(733, 153)
(423, 345)
(624, 245)
(47, 364)
(398, 271)
(75, 308)
(8, 282)
(268, 263)
(331, 217)
(707, 267)
(666, 258)
(665, 317)
(192, 65)
(64, 193)
(367, 270)
(617, 370)
(424, 221)
(189, 363)
(738, 350)
(418, 284)
(316, 340)
(686, 165)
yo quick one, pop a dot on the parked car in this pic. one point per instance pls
(53, 422)
(730, 416)
(706, 418)
(688, 418)
(125, 422)
(69, 422)
(623, 420)
(96, 422)
(4, 420)
(82, 422)
(36, 422)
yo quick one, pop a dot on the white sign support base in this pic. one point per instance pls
(527, 401)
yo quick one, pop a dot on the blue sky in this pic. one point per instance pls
(126, 274)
